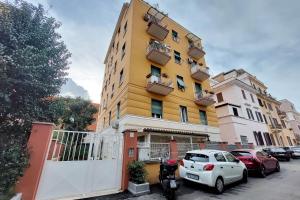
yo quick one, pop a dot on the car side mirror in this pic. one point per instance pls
(237, 160)
(269, 156)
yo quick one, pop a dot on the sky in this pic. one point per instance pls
(263, 37)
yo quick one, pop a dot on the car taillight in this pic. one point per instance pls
(208, 167)
(181, 163)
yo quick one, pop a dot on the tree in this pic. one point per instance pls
(33, 67)
(73, 114)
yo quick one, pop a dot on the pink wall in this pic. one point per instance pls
(38, 145)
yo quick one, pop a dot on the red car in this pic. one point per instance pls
(257, 161)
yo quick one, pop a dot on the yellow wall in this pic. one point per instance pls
(134, 97)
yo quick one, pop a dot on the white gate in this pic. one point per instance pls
(81, 164)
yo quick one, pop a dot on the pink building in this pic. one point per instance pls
(240, 116)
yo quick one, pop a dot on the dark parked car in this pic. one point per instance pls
(278, 153)
(293, 151)
(257, 161)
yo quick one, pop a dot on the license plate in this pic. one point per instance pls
(173, 184)
(193, 176)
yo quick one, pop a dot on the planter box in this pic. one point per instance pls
(138, 189)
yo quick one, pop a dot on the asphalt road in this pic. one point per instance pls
(284, 185)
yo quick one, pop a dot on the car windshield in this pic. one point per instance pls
(277, 150)
(241, 153)
(196, 157)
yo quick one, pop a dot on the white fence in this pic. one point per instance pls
(81, 164)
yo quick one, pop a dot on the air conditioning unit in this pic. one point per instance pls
(146, 17)
(115, 124)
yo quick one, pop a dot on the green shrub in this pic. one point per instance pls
(137, 172)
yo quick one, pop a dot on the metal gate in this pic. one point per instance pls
(81, 164)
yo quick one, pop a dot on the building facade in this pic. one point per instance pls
(156, 82)
(239, 114)
(292, 117)
(247, 113)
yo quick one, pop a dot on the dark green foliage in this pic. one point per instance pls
(33, 64)
(137, 172)
(73, 114)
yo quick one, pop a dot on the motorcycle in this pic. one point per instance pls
(167, 178)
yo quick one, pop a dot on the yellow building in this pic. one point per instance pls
(281, 134)
(156, 82)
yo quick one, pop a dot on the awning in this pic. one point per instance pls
(172, 131)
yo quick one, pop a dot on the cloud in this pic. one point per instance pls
(260, 36)
(72, 89)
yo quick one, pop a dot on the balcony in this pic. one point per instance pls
(155, 27)
(199, 73)
(159, 85)
(158, 53)
(275, 128)
(204, 98)
(195, 49)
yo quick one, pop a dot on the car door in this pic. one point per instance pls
(236, 169)
(222, 167)
(263, 158)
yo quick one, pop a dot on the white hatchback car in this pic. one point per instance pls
(213, 168)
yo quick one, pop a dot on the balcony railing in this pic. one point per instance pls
(204, 98)
(159, 85)
(158, 52)
(196, 51)
(157, 29)
(199, 73)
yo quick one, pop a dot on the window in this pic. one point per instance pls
(118, 110)
(119, 30)
(109, 79)
(109, 118)
(272, 122)
(270, 106)
(241, 153)
(219, 97)
(267, 139)
(156, 108)
(260, 117)
(235, 111)
(183, 114)
(198, 88)
(265, 119)
(123, 51)
(155, 71)
(244, 139)
(117, 48)
(275, 121)
(196, 157)
(289, 140)
(250, 114)
(252, 98)
(220, 157)
(203, 117)
(244, 95)
(115, 67)
(177, 57)
(103, 122)
(112, 90)
(260, 102)
(125, 29)
(121, 77)
(283, 124)
(175, 36)
(180, 83)
(265, 104)
(230, 157)
(260, 138)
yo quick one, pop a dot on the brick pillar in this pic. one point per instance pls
(238, 145)
(173, 150)
(250, 145)
(38, 145)
(202, 145)
(130, 153)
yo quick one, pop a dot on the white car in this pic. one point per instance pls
(213, 168)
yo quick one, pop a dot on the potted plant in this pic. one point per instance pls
(137, 178)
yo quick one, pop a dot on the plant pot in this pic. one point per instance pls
(138, 189)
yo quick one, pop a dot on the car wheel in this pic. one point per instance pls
(277, 167)
(262, 171)
(245, 176)
(219, 186)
